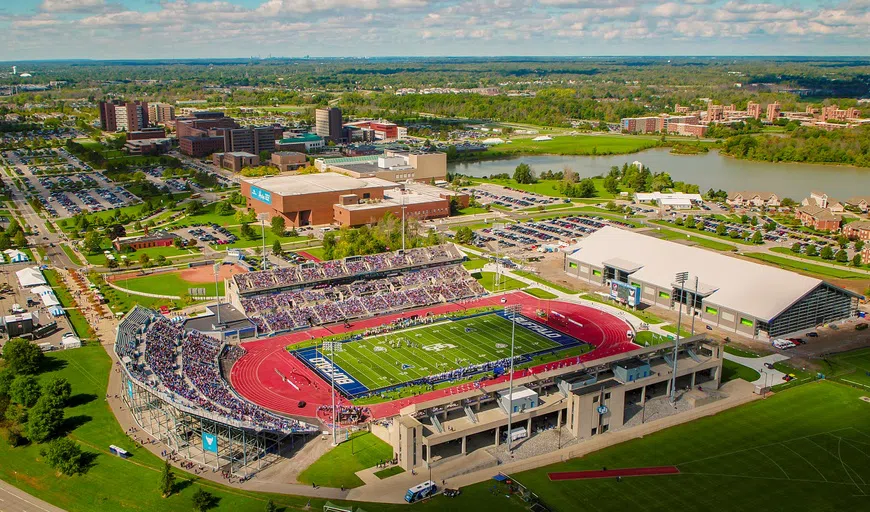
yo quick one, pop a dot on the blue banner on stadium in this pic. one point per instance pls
(130, 388)
(209, 443)
(264, 196)
(542, 330)
(323, 366)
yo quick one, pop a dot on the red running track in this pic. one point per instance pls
(612, 473)
(256, 374)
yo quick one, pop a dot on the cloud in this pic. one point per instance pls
(71, 6)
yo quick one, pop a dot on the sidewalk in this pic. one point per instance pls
(768, 377)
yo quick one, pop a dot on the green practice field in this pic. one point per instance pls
(434, 349)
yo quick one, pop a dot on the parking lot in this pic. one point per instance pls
(46, 161)
(508, 198)
(540, 236)
(207, 234)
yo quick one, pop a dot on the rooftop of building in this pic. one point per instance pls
(318, 183)
(154, 235)
(394, 198)
(304, 137)
(750, 288)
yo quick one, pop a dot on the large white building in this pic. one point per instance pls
(749, 298)
(675, 200)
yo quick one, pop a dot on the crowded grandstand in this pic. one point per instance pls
(184, 368)
(285, 299)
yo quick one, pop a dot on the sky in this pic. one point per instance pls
(148, 29)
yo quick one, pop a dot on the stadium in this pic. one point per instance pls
(416, 350)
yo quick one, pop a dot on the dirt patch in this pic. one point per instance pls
(205, 273)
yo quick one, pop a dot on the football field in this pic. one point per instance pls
(419, 352)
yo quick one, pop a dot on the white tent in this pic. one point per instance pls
(29, 277)
(47, 295)
(492, 142)
(541, 138)
(16, 256)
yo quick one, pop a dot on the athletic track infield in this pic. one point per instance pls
(613, 473)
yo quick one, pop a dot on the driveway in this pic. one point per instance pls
(772, 377)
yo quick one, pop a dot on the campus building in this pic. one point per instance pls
(747, 199)
(326, 198)
(235, 160)
(381, 130)
(204, 133)
(818, 218)
(397, 166)
(857, 230)
(161, 113)
(328, 124)
(303, 143)
(609, 394)
(289, 160)
(751, 299)
(153, 239)
(116, 116)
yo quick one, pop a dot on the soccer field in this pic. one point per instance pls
(411, 354)
(860, 361)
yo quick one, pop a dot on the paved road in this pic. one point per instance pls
(14, 500)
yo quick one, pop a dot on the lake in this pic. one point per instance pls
(708, 170)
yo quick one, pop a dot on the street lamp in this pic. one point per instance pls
(680, 279)
(694, 298)
(217, 295)
(512, 310)
(402, 195)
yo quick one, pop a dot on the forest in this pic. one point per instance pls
(804, 144)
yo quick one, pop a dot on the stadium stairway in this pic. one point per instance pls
(436, 423)
(468, 412)
(695, 357)
(669, 359)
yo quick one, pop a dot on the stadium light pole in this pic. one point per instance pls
(332, 386)
(513, 310)
(217, 296)
(694, 298)
(681, 279)
(262, 218)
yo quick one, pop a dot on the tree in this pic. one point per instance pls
(842, 256)
(92, 244)
(112, 263)
(193, 208)
(524, 175)
(224, 208)
(276, 248)
(842, 241)
(44, 419)
(22, 357)
(796, 247)
(116, 231)
(754, 221)
(827, 253)
(167, 480)
(25, 390)
(20, 240)
(859, 244)
(721, 229)
(757, 238)
(585, 188)
(812, 250)
(271, 507)
(144, 258)
(161, 259)
(610, 206)
(611, 184)
(203, 500)
(247, 231)
(178, 243)
(58, 387)
(856, 260)
(278, 226)
(464, 235)
(5, 242)
(265, 156)
(64, 455)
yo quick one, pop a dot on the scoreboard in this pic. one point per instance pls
(625, 293)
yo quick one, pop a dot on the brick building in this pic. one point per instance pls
(235, 160)
(818, 218)
(746, 199)
(154, 132)
(153, 239)
(289, 160)
(128, 116)
(858, 230)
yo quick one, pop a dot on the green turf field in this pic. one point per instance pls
(167, 283)
(434, 349)
(860, 361)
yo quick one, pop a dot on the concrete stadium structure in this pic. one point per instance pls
(748, 298)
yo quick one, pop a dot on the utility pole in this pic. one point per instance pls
(694, 298)
(512, 310)
(680, 279)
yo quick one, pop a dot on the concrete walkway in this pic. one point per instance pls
(769, 377)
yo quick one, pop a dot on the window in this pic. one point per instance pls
(745, 321)
(637, 285)
(595, 399)
(596, 272)
(366, 195)
(607, 395)
(711, 310)
(664, 295)
(572, 265)
(594, 431)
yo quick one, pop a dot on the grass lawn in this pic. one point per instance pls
(805, 449)
(92, 425)
(472, 210)
(487, 280)
(391, 471)
(808, 268)
(71, 254)
(684, 333)
(78, 321)
(317, 252)
(642, 314)
(725, 238)
(474, 263)
(858, 364)
(668, 234)
(208, 216)
(787, 250)
(152, 252)
(167, 283)
(337, 466)
(122, 302)
(541, 294)
(732, 370)
(534, 277)
(739, 352)
(576, 145)
(645, 338)
(243, 243)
